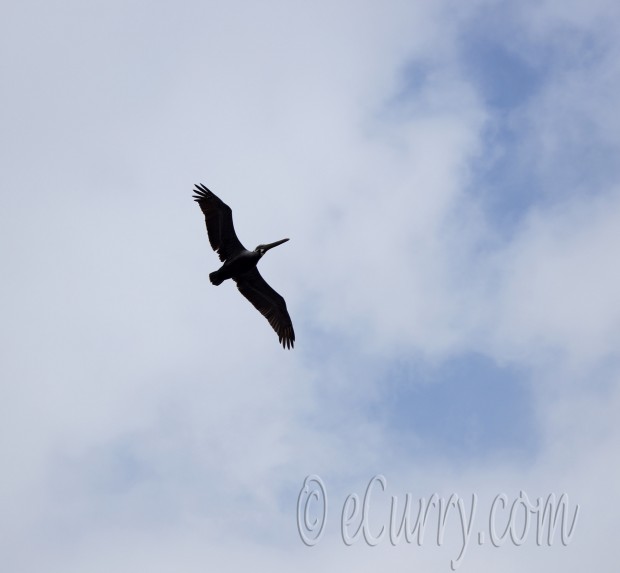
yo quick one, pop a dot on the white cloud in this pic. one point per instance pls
(139, 435)
(560, 282)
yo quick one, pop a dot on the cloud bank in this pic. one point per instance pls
(447, 176)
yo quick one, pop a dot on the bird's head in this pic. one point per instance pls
(262, 249)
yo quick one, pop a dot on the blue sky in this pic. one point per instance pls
(447, 175)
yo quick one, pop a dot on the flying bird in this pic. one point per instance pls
(240, 264)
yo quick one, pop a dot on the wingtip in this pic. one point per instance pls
(202, 197)
(287, 343)
(201, 191)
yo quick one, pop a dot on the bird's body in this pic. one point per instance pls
(240, 264)
(237, 265)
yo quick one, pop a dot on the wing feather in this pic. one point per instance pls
(269, 303)
(220, 228)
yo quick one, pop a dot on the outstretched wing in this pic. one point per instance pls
(269, 303)
(218, 217)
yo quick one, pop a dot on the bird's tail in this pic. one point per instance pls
(216, 278)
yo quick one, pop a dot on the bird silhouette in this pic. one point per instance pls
(240, 264)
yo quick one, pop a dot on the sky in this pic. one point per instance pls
(447, 174)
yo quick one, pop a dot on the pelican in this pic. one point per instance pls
(240, 264)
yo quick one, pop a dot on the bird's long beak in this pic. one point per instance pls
(272, 245)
